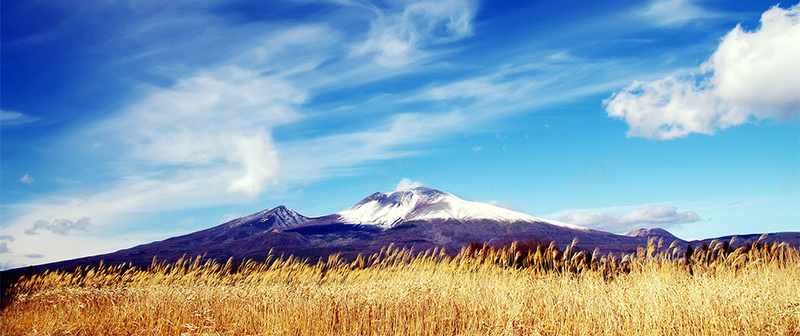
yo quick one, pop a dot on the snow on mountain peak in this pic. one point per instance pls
(387, 210)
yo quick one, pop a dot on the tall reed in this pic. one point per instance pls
(522, 289)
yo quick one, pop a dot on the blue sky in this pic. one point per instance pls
(124, 123)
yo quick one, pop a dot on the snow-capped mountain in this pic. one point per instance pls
(418, 218)
(387, 210)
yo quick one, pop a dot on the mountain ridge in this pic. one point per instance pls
(418, 218)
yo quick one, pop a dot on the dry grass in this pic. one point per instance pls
(520, 290)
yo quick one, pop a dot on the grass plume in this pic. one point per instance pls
(522, 289)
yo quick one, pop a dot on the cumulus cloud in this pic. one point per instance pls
(406, 184)
(4, 248)
(751, 76)
(27, 179)
(646, 217)
(398, 35)
(60, 226)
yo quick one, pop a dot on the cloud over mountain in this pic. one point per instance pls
(648, 216)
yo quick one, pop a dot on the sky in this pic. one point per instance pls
(124, 123)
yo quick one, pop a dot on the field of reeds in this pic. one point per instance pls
(522, 289)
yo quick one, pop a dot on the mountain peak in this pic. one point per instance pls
(282, 209)
(651, 232)
(387, 210)
(279, 217)
(400, 195)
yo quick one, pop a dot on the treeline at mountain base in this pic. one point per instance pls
(522, 289)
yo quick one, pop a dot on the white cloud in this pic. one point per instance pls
(648, 216)
(312, 159)
(229, 217)
(493, 87)
(476, 149)
(34, 256)
(209, 134)
(4, 248)
(60, 226)
(13, 118)
(673, 12)
(406, 184)
(207, 114)
(259, 160)
(399, 35)
(27, 179)
(7, 237)
(751, 76)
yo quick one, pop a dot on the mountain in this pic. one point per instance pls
(278, 218)
(421, 203)
(747, 239)
(219, 242)
(657, 233)
(419, 218)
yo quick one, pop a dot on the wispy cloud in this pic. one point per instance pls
(674, 12)
(493, 87)
(751, 76)
(14, 118)
(399, 35)
(312, 159)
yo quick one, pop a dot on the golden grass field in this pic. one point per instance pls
(753, 290)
